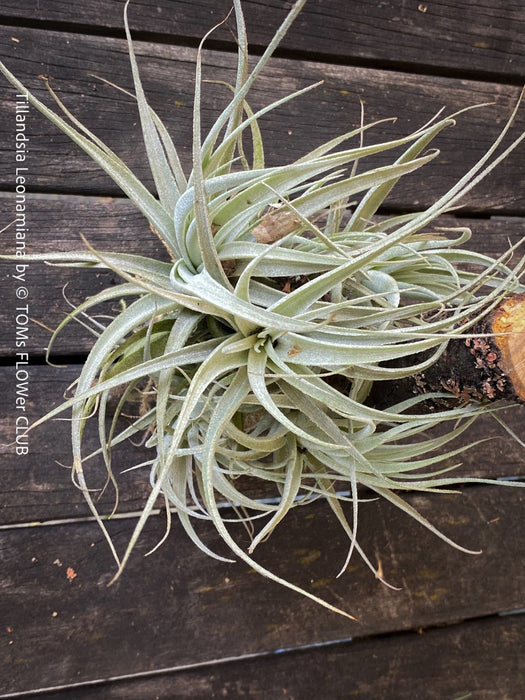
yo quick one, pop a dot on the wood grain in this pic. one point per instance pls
(439, 36)
(481, 659)
(35, 487)
(181, 608)
(331, 109)
(57, 222)
(509, 323)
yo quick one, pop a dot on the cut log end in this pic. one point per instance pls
(509, 326)
(485, 365)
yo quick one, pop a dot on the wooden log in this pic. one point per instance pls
(485, 366)
(61, 623)
(508, 323)
(332, 109)
(426, 36)
(478, 659)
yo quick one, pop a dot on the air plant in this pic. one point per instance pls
(282, 302)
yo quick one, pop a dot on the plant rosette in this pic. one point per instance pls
(282, 303)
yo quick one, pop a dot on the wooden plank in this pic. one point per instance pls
(57, 222)
(330, 110)
(480, 659)
(62, 624)
(36, 488)
(486, 40)
(37, 485)
(45, 492)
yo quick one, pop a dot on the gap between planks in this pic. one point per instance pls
(211, 663)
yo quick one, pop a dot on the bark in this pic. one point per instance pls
(487, 366)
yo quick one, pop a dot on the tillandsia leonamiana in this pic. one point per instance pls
(282, 303)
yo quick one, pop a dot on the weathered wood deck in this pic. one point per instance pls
(180, 624)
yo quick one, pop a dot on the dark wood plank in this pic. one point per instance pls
(57, 222)
(330, 110)
(36, 488)
(436, 35)
(36, 485)
(62, 624)
(483, 659)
